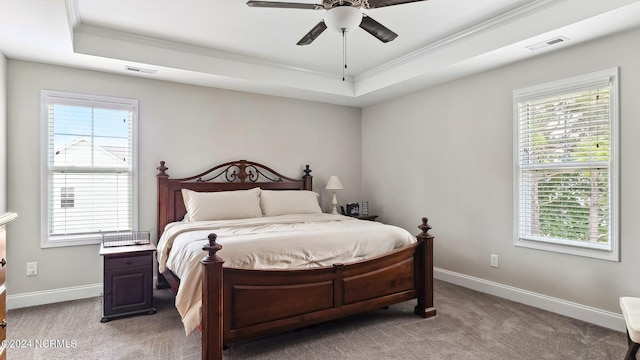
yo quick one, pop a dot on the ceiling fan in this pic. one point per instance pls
(342, 15)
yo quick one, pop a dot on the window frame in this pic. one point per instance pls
(567, 86)
(68, 98)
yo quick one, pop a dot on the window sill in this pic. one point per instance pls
(63, 241)
(603, 254)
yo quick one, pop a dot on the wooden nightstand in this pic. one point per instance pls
(128, 280)
(367, 217)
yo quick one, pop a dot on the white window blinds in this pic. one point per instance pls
(564, 168)
(90, 167)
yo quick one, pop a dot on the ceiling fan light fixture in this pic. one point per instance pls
(343, 18)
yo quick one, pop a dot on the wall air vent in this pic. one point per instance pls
(546, 43)
(139, 70)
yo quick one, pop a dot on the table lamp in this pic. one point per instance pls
(334, 184)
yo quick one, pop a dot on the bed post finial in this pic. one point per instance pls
(162, 169)
(212, 248)
(308, 178)
(212, 331)
(425, 227)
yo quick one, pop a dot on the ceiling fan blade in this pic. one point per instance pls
(286, 5)
(376, 29)
(313, 33)
(382, 3)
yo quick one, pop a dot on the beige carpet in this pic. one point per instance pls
(469, 325)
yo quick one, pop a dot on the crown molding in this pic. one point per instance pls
(499, 21)
(73, 15)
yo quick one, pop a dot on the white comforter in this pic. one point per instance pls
(286, 241)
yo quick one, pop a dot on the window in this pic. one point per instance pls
(89, 179)
(66, 197)
(566, 166)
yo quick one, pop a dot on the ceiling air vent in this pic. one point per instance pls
(546, 43)
(140, 70)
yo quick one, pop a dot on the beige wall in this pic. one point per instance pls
(190, 127)
(446, 153)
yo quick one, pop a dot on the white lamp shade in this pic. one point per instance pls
(334, 183)
(343, 17)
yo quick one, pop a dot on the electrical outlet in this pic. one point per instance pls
(494, 260)
(32, 268)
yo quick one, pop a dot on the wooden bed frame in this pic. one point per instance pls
(241, 305)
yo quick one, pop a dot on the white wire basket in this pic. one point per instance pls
(124, 238)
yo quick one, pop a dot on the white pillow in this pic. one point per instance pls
(283, 202)
(222, 205)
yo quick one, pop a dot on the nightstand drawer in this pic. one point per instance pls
(128, 261)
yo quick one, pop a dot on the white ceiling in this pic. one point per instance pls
(226, 44)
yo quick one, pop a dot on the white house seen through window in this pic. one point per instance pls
(66, 197)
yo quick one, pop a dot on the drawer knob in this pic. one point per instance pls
(129, 262)
(3, 262)
(3, 324)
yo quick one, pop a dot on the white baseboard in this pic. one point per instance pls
(573, 310)
(53, 296)
(56, 295)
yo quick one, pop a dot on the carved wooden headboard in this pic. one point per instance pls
(233, 175)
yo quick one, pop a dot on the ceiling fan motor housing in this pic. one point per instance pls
(343, 18)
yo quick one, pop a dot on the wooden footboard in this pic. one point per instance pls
(240, 305)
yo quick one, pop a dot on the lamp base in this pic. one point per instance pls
(334, 203)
